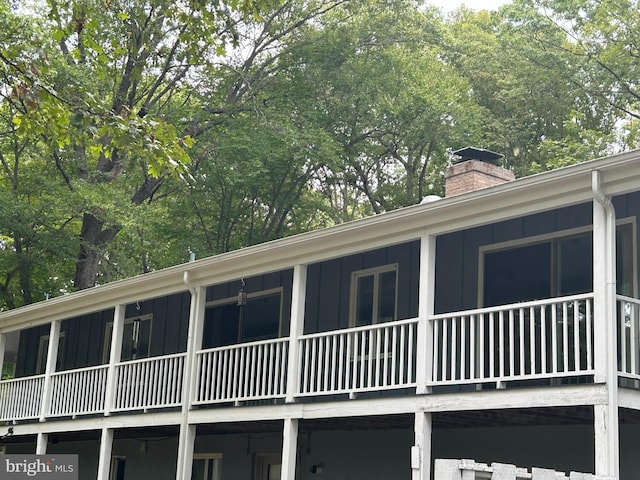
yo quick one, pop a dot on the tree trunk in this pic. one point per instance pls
(93, 236)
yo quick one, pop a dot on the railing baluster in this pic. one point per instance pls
(522, 338)
(436, 351)
(576, 336)
(472, 346)
(341, 365)
(445, 350)
(565, 337)
(554, 338)
(454, 348)
(632, 337)
(492, 346)
(501, 343)
(543, 340)
(512, 344)
(481, 344)
(532, 340)
(589, 325)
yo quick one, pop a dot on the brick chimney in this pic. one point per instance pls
(476, 169)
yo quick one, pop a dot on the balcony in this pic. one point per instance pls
(541, 342)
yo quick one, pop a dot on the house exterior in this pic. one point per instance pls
(500, 324)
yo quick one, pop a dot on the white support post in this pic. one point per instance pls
(41, 443)
(186, 442)
(52, 356)
(187, 433)
(289, 448)
(421, 450)
(606, 428)
(3, 346)
(600, 315)
(426, 299)
(104, 457)
(115, 352)
(295, 330)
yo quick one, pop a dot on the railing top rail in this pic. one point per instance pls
(22, 379)
(376, 326)
(243, 345)
(513, 306)
(152, 359)
(102, 366)
(624, 298)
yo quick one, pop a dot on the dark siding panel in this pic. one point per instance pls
(312, 298)
(449, 271)
(539, 224)
(505, 231)
(27, 358)
(329, 284)
(473, 239)
(457, 273)
(83, 343)
(286, 280)
(329, 296)
(574, 217)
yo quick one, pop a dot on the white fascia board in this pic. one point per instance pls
(559, 188)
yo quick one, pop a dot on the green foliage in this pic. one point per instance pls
(134, 133)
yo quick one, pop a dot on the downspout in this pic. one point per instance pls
(185, 442)
(610, 318)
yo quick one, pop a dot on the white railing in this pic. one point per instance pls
(628, 337)
(249, 371)
(20, 398)
(78, 392)
(540, 339)
(371, 358)
(446, 469)
(149, 383)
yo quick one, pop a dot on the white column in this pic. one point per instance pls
(421, 450)
(3, 346)
(296, 329)
(606, 428)
(187, 434)
(104, 457)
(114, 357)
(41, 443)
(426, 300)
(52, 356)
(186, 444)
(289, 448)
(600, 315)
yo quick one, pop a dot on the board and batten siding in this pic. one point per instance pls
(329, 283)
(457, 253)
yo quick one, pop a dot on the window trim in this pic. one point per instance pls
(210, 456)
(353, 290)
(552, 237)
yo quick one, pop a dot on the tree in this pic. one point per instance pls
(105, 104)
(533, 109)
(387, 97)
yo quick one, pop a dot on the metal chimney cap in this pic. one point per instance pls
(475, 153)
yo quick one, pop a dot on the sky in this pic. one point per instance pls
(449, 5)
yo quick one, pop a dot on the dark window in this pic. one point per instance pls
(374, 295)
(229, 323)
